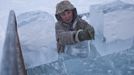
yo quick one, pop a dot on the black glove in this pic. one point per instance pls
(91, 33)
(86, 35)
(60, 48)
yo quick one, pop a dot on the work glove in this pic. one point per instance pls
(86, 35)
(60, 48)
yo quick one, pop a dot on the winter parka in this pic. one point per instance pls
(67, 34)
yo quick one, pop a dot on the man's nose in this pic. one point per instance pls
(66, 15)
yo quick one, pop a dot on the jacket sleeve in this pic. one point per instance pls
(64, 37)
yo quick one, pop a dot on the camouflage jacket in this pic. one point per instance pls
(66, 34)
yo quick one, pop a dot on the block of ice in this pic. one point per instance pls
(113, 23)
(36, 31)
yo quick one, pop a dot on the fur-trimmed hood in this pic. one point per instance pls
(64, 5)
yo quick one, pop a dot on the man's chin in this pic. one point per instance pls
(69, 21)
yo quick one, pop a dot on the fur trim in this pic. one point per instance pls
(76, 36)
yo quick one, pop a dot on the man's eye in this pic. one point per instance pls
(68, 12)
(62, 14)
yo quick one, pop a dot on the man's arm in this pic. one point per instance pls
(64, 37)
(87, 33)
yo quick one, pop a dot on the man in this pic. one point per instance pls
(70, 29)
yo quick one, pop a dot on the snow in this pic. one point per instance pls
(2, 37)
(1, 42)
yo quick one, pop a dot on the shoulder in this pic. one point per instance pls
(58, 25)
(82, 21)
(84, 24)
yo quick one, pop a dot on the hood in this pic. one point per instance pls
(64, 5)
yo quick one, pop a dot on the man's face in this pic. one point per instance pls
(67, 16)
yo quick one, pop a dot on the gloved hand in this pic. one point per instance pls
(60, 48)
(86, 35)
(91, 33)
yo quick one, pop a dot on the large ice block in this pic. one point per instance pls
(113, 23)
(36, 30)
